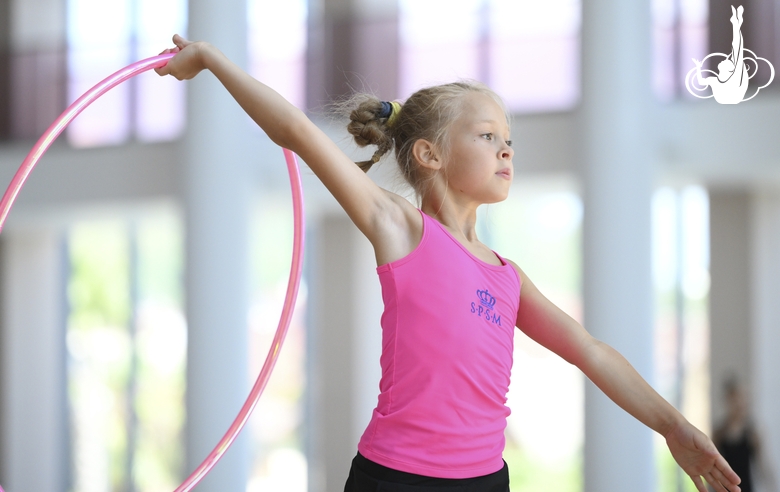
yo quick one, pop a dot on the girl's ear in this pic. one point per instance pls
(426, 154)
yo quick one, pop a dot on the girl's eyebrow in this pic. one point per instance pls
(489, 122)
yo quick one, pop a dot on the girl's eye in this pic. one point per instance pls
(509, 143)
(488, 136)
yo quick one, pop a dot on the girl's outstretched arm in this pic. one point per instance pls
(546, 324)
(382, 216)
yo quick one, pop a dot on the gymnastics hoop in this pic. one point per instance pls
(294, 280)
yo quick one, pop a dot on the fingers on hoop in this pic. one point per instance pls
(164, 70)
(179, 41)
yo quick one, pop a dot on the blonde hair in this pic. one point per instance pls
(427, 114)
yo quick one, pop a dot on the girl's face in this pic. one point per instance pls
(479, 158)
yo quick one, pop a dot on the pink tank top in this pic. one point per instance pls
(447, 342)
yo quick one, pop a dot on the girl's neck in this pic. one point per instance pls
(460, 220)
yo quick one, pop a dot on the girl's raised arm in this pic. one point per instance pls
(368, 205)
(546, 324)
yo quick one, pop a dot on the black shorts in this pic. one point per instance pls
(367, 476)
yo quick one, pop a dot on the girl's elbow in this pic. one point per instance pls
(573, 354)
(587, 353)
(290, 131)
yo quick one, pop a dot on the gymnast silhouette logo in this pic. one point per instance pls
(730, 84)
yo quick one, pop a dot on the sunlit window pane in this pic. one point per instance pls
(99, 44)
(439, 42)
(277, 46)
(535, 53)
(161, 346)
(100, 351)
(544, 440)
(681, 278)
(527, 51)
(279, 462)
(160, 109)
(694, 33)
(95, 22)
(126, 340)
(106, 36)
(664, 32)
(680, 33)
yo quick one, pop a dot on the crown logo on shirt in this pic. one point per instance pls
(486, 299)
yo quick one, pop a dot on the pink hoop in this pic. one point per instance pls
(51, 134)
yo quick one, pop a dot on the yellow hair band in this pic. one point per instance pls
(394, 112)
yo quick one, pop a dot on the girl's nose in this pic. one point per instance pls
(507, 152)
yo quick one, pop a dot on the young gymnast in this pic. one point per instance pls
(451, 304)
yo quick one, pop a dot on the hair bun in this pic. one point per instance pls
(368, 126)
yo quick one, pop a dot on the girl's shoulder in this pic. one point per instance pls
(399, 232)
(519, 271)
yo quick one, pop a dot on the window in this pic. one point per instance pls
(126, 339)
(681, 278)
(680, 32)
(276, 427)
(539, 227)
(526, 51)
(106, 36)
(277, 57)
(277, 46)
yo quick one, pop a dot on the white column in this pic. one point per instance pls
(33, 407)
(765, 390)
(344, 348)
(217, 196)
(616, 238)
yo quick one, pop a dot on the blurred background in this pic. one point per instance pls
(144, 266)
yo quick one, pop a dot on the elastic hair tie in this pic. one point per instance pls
(386, 111)
(390, 110)
(394, 113)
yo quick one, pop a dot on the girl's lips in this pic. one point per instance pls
(505, 173)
